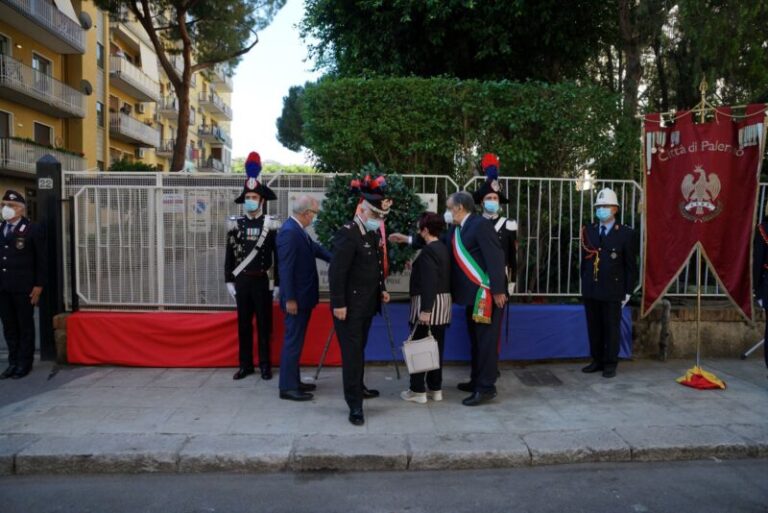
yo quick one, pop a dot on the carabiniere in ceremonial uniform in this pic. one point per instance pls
(608, 276)
(22, 275)
(250, 254)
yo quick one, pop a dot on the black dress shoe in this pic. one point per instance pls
(370, 393)
(592, 367)
(21, 372)
(467, 386)
(478, 398)
(307, 387)
(356, 417)
(266, 374)
(609, 373)
(295, 395)
(241, 373)
(7, 373)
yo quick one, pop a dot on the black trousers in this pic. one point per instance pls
(253, 297)
(484, 340)
(353, 337)
(18, 316)
(434, 378)
(765, 340)
(603, 327)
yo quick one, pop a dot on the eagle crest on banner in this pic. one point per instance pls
(700, 196)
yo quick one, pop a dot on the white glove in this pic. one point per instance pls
(231, 289)
(276, 293)
(626, 300)
(760, 303)
(511, 288)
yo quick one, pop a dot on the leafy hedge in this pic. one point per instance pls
(442, 125)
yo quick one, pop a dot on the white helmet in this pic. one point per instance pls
(607, 198)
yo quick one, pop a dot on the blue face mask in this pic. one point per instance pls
(372, 224)
(251, 205)
(603, 213)
(491, 206)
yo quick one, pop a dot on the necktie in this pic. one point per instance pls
(602, 234)
(8, 229)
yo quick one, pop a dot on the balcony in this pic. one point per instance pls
(20, 157)
(127, 129)
(221, 79)
(214, 135)
(213, 103)
(210, 165)
(127, 77)
(165, 150)
(21, 84)
(41, 20)
(168, 108)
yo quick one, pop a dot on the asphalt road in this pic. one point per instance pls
(699, 486)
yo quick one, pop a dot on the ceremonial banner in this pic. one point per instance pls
(701, 184)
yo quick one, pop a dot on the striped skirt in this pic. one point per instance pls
(441, 310)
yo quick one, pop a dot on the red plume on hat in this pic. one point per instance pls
(490, 166)
(253, 165)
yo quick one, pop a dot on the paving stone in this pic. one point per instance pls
(350, 452)
(236, 453)
(552, 447)
(667, 443)
(757, 434)
(466, 451)
(10, 445)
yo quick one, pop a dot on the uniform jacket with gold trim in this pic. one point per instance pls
(243, 234)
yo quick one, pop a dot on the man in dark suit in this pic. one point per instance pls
(22, 275)
(760, 275)
(299, 292)
(477, 282)
(609, 273)
(356, 280)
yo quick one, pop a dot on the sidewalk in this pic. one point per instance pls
(106, 419)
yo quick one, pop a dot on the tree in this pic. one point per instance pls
(204, 33)
(289, 124)
(509, 39)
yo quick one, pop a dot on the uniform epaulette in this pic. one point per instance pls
(511, 225)
(271, 223)
(232, 222)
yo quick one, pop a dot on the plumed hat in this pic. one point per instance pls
(490, 164)
(372, 192)
(252, 183)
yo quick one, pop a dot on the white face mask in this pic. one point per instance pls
(448, 217)
(8, 213)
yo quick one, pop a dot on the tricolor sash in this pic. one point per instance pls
(482, 310)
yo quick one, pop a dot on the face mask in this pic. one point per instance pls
(491, 206)
(251, 205)
(448, 217)
(8, 213)
(313, 223)
(603, 213)
(372, 224)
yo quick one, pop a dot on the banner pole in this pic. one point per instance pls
(698, 307)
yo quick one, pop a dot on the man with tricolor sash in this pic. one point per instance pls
(478, 282)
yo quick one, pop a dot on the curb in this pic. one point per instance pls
(24, 454)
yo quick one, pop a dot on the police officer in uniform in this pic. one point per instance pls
(490, 198)
(357, 288)
(609, 273)
(22, 275)
(250, 254)
(760, 274)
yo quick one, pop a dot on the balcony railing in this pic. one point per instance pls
(22, 84)
(165, 149)
(135, 82)
(214, 104)
(210, 165)
(128, 129)
(58, 30)
(214, 135)
(168, 107)
(220, 77)
(22, 156)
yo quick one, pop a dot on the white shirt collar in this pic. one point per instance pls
(298, 222)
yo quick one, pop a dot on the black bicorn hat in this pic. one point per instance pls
(491, 185)
(373, 192)
(252, 183)
(11, 195)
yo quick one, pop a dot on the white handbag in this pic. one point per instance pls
(421, 355)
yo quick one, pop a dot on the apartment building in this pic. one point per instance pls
(89, 89)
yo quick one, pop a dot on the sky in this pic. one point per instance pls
(263, 77)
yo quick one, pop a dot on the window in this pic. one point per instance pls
(43, 134)
(100, 165)
(191, 115)
(100, 55)
(41, 64)
(5, 125)
(100, 114)
(5, 45)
